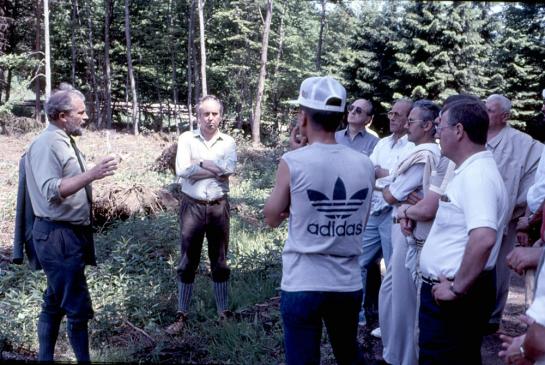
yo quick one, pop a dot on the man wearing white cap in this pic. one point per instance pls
(325, 188)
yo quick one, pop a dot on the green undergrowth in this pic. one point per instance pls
(134, 292)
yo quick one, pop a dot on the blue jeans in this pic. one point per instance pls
(377, 240)
(302, 315)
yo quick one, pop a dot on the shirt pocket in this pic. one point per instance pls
(447, 213)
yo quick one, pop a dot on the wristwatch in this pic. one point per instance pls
(457, 293)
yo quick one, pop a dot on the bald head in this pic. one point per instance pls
(360, 113)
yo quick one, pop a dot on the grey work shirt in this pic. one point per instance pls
(49, 159)
(192, 147)
(517, 157)
(363, 141)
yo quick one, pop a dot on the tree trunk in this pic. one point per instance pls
(256, 135)
(190, 57)
(91, 64)
(106, 66)
(320, 37)
(37, 48)
(173, 62)
(8, 85)
(196, 76)
(47, 50)
(73, 41)
(134, 111)
(275, 100)
(203, 47)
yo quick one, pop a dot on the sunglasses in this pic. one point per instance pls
(356, 109)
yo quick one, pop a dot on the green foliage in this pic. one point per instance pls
(134, 285)
(380, 49)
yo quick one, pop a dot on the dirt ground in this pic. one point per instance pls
(137, 154)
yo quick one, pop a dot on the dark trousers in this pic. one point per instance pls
(61, 249)
(452, 332)
(198, 220)
(302, 315)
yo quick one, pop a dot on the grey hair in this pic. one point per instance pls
(60, 100)
(429, 108)
(408, 101)
(505, 103)
(209, 97)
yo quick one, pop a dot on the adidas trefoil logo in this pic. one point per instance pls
(338, 207)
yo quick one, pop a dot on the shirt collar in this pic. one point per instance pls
(473, 158)
(400, 142)
(53, 128)
(362, 132)
(197, 133)
(494, 142)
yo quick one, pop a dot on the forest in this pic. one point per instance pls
(144, 64)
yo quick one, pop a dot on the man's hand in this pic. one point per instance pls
(521, 259)
(441, 291)
(523, 223)
(510, 352)
(380, 172)
(413, 198)
(296, 139)
(104, 168)
(522, 231)
(406, 224)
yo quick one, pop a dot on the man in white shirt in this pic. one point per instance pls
(458, 259)
(385, 157)
(397, 296)
(204, 161)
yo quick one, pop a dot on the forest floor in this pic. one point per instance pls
(138, 155)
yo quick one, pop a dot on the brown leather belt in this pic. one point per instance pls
(204, 202)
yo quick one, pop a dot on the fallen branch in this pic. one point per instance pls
(139, 330)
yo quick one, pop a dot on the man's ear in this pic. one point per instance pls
(368, 124)
(428, 126)
(459, 131)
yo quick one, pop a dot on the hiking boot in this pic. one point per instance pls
(178, 325)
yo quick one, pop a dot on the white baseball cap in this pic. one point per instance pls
(322, 93)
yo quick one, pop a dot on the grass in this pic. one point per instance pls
(134, 286)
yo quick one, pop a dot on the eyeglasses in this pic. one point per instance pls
(411, 121)
(393, 115)
(355, 109)
(439, 128)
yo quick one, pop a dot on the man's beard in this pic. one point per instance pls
(73, 130)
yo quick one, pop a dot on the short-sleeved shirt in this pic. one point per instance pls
(192, 147)
(536, 192)
(387, 154)
(363, 141)
(475, 198)
(517, 156)
(441, 175)
(49, 159)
